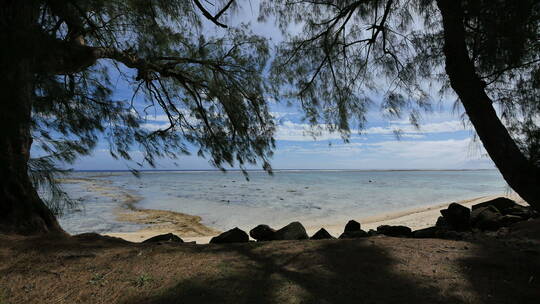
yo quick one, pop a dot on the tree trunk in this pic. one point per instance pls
(21, 209)
(520, 174)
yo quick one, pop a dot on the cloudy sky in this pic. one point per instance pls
(442, 142)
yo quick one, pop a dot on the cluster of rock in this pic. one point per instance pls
(455, 220)
(491, 215)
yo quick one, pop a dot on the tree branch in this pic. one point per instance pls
(209, 16)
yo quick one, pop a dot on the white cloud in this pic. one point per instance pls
(291, 131)
(435, 127)
(154, 126)
(395, 154)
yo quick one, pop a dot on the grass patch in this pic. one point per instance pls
(142, 280)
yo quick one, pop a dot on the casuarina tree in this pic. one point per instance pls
(61, 60)
(486, 51)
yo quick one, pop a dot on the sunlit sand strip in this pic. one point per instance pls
(189, 227)
(186, 225)
(416, 218)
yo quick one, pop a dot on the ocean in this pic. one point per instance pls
(228, 200)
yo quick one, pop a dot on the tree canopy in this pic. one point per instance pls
(487, 52)
(350, 50)
(209, 86)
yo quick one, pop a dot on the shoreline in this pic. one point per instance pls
(190, 228)
(416, 218)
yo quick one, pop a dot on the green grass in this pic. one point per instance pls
(142, 280)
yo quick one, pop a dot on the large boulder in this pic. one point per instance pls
(430, 232)
(524, 212)
(442, 223)
(372, 232)
(507, 206)
(352, 225)
(321, 235)
(509, 219)
(234, 235)
(263, 233)
(486, 218)
(162, 238)
(502, 204)
(293, 231)
(457, 216)
(397, 231)
(353, 234)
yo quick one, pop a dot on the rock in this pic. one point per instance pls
(372, 232)
(263, 233)
(501, 203)
(398, 231)
(352, 225)
(524, 212)
(452, 235)
(234, 235)
(293, 231)
(321, 235)
(353, 234)
(507, 206)
(394, 230)
(486, 218)
(168, 237)
(442, 223)
(457, 216)
(430, 232)
(509, 219)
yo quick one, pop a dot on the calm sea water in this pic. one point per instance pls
(227, 200)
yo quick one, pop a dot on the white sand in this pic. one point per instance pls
(414, 218)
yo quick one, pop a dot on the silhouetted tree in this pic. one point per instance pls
(57, 61)
(487, 51)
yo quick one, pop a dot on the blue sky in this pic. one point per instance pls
(442, 142)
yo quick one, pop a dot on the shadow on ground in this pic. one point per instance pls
(355, 271)
(95, 269)
(374, 270)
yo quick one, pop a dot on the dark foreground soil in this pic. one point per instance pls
(95, 269)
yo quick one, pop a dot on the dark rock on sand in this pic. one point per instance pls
(398, 231)
(321, 235)
(234, 235)
(372, 232)
(352, 225)
(263, 233)
(509, 219)
(353, 234)
(524, 212)
(293, 231)
(507, 206)
(502, 204)
(486, 218)
(426, 233)
(442, 223)
(168, 237)
(457, 216)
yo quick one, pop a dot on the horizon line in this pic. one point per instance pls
(261, 170)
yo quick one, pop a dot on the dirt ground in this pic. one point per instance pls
(95, 269)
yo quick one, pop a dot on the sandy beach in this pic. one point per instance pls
(189, 228)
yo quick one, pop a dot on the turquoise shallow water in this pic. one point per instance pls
(227, 200)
